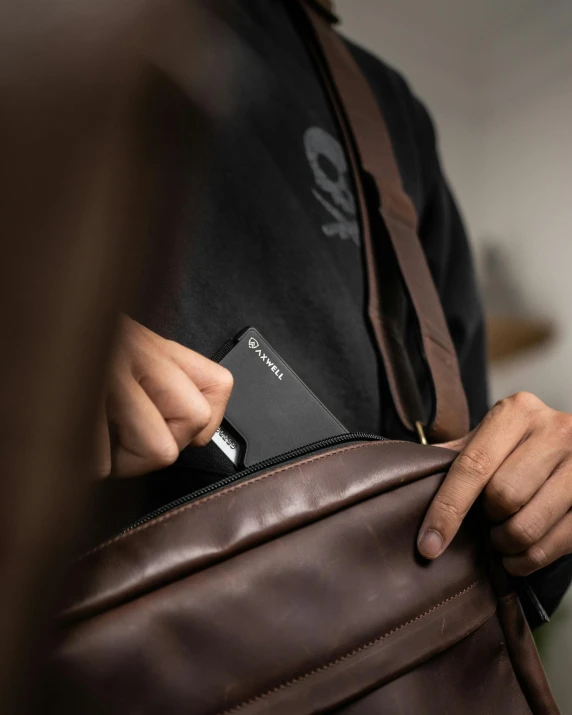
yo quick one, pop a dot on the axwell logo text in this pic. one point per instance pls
(255, 345)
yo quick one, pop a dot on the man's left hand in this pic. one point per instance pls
(520, 459)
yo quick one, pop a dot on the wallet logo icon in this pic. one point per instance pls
(253, 344)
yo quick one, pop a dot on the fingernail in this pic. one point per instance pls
(431, 544)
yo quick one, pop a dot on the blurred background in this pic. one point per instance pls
(496, 76)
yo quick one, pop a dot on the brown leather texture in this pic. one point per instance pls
(436, 686)
(298, 590)
(362, 119)
(194, 536)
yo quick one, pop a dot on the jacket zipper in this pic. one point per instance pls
(249, 471)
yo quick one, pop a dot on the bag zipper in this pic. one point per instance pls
(526, 591)
(259, 466)
(249, 471)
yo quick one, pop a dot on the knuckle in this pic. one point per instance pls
(563, 426)
(525, 533)
(449, 509)
(171, 345)
(199, 420)
(188, 428)
(499, 407)
(520, 401)
(202, 439)
(525, 401)
(504, 404)
(225, 380)
(474, 463)
(163, 453)
(201, 416)
(504, 496)
(537, 558)
(138, 341)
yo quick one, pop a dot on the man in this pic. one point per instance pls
(278, 246)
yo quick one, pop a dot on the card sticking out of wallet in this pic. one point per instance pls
(270, 411)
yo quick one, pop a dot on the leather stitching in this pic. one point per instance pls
(230, 490)
(342, 658)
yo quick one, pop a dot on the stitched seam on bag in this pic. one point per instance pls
(351, 654)
(225, 492)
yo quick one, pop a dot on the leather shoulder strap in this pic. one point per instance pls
(326, 7)
(370, 147)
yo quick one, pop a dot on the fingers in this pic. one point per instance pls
(181, 404)
(161, 398)
(555, 544)
(520, 459)
(145, 442)
(535, 520)
(214, 382)
(499, 434)
(521, 475)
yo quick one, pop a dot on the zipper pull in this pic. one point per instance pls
(421, 433)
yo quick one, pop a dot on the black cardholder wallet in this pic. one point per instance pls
(270, 411)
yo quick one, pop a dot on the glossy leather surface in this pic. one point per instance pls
(265, 506)
(295, 592)
(438, 686)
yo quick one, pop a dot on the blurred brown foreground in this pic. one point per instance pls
(92, 96)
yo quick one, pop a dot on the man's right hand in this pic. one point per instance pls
(161, 397)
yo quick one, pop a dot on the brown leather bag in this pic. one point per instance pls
(295, 587)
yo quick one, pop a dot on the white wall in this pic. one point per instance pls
(527, 198)
(392, 31)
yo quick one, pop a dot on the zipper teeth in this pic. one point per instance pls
(265, 464)
(223, 350)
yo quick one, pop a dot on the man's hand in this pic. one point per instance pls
(161, 397)
(520, 459)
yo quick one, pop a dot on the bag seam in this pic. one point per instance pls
(224, 492)
(346, 656)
